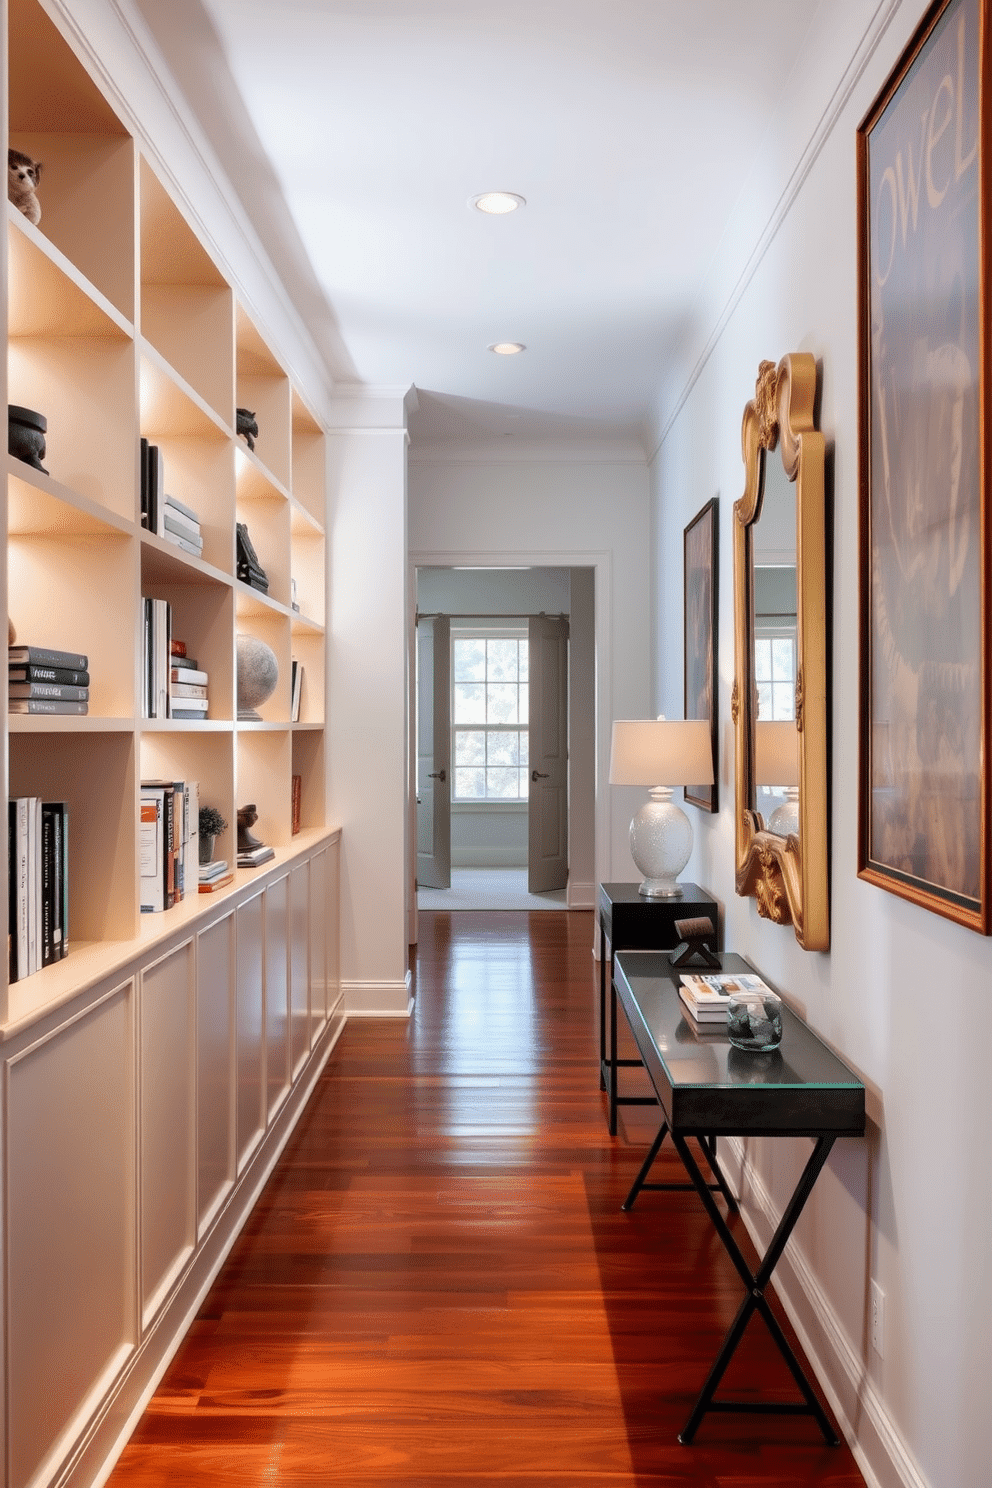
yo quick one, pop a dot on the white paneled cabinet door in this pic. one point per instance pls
(276, 993)
(71, 1262)
(251, 1029)
(215, 1002)
(299, 960)
(168, 1123)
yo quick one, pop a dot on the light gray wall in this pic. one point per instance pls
(569, 506)
(902, 994)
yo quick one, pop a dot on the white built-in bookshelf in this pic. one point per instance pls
(151, 1076)
(121, 326)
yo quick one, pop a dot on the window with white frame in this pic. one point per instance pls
(489, 698)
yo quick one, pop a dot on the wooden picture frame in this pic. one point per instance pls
(700, 544)
(923, 162)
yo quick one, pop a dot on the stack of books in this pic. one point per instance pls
(251, 857)
(187, 685)
(40, 680)
(215, 875)
(170, 842)
(182, 526)
(705, 996)
(161, 513)
(250, 571)
(38, 863)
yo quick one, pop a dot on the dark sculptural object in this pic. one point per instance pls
(247, 426)
(26, 432)
(247, 817)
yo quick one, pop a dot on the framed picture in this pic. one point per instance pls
(700, 627)
(923, 162)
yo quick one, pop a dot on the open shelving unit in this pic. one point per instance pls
(151, 1076)
(120, 325)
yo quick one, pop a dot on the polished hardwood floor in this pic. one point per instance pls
(438, 1286)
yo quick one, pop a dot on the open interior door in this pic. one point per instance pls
(433, 752)
(547, 810)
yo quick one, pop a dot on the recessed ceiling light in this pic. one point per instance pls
(508, 348)
(497, 203)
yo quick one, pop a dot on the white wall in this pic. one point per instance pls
(578, 506)
(902, 994)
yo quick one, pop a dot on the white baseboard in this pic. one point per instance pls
(377, 999)
(582, 895)
(879, 1448)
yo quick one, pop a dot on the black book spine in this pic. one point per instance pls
(47, 887)
(12, 890)
(144, 482)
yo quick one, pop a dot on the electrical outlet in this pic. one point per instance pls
(877, 1305)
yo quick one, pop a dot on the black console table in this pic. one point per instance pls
(705, 1089)
(628, 920)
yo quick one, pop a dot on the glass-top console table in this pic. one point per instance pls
(706, 1088)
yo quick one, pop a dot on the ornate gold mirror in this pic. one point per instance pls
(779, 702)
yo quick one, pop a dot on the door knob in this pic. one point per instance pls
(539, 775)
(437, 775)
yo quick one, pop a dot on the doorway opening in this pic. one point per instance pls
(501, 692)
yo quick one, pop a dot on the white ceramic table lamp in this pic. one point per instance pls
(777, 765)
(676, 751)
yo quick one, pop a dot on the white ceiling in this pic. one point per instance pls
(357, 130)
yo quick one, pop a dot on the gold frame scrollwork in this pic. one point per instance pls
(787, 876)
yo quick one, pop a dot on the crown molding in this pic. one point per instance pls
(663, 419)
(512, 451)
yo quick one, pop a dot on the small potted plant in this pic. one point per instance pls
(211, 824)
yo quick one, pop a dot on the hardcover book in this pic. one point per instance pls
(44, 656)
(65, 675)
(47, 705)
(58, 690)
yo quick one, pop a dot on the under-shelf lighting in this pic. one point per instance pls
(507, 348)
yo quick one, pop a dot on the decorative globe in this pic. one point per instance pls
(258, 674)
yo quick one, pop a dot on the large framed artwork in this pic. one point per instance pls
(700, 626)
(923, 160)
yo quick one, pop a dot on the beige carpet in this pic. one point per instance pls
(489, 888)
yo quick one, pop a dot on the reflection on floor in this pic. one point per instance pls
(489, 888)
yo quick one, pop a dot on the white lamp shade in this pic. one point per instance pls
(661, 751)
(777, 749)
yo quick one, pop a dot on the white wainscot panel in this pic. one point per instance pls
(168, 1122)
(299, 992)
(276, 992)
(318, 944)
(251, 1028)
(332, 891)
(71, 1261)
(215, 996)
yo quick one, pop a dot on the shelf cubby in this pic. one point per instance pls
(263, 778)
(202, 617)
(307, 560)
(308, 763)
(95, 773)
(59, 117)
(186, 307)
(264, 388)
(264, 509)
(203, 755)
(272, 628)
(309, 481)
(57, 597)
(308, 649)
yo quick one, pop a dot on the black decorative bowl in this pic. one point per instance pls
(26, 432)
